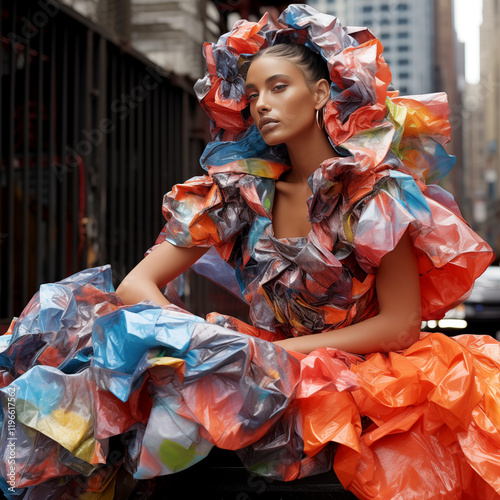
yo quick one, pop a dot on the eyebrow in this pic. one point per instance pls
(270, 79)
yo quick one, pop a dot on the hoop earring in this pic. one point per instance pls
(320, 118)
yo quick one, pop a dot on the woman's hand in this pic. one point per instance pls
(161, 266)
(397, 326)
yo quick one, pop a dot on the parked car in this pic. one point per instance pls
(480, 313)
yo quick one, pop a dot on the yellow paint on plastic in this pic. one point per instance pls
(348, 228)
(70, 430)
(167, 361)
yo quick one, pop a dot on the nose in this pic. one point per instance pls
(262, 103)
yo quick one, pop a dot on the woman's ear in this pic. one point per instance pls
(322, 89)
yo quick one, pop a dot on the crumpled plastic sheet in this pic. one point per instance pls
(148, 366)
(163, 386)
(358, 211)
(434, 422)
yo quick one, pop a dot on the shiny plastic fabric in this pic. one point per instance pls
(172, 385)
(103, 391)
(178, 384)
(358, 213)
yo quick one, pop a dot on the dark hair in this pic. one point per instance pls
(310, 63)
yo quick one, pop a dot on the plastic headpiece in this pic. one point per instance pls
(362, 114)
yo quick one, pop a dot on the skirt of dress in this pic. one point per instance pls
(95, 393)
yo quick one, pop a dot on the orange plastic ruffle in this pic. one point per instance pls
(434, 410)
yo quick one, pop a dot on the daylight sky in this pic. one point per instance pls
(468, 18)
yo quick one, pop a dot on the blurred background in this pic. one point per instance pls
(99, 120)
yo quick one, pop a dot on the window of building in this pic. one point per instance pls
(403, 34)
(403, 89)
(404, 75)
(403, 48)
(403, 20)
(384, 7)
(385, 21)
(367, 8)
(385, 36)
(403, 62)
(403, 6)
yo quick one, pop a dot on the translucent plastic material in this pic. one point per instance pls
(100, 388)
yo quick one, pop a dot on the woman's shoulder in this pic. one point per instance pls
(214, 208)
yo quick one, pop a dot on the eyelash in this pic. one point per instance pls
(279, 87)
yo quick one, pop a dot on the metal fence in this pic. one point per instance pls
(91, 136)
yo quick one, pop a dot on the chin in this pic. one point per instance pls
(271, 140)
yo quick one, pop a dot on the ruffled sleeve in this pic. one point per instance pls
(190, 209)
(450, 255)
(212, 210)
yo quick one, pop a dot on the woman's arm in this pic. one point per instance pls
(398, 323)
(161, 266)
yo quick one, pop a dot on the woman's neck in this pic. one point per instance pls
(306, 154)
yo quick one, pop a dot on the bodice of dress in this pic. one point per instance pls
(295, 286)
(299, 287)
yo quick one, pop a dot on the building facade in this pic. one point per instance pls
(169, 32)
(475, 158)
(449, 76)
(486, 97)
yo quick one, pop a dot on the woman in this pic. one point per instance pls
(316, 195)
(284, 95)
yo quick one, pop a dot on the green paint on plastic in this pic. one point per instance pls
(267, 204)
(175, 456)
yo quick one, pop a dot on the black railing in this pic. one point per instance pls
(91, 136)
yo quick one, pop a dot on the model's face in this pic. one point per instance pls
(282, 104)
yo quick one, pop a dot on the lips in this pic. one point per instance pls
(267, 123)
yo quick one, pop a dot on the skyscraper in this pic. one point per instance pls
(487, 98)
(405, 28)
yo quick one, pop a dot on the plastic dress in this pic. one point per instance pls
(92, 387)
